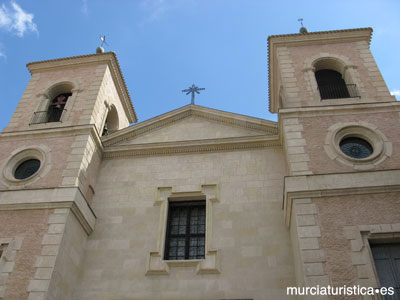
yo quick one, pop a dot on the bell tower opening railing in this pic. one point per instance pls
(46, 116)
(331, 91)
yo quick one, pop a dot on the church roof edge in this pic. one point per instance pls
(369, 29)
(164, 119)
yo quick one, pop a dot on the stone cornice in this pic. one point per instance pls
(196, 146)
(335, 110)
(331, 36)
(108, 58)
(226, 118)
(51, 198)
(312, 38)
(316, 111)
(47, 205)
(340, 184)
(340, 109)
(54, 132)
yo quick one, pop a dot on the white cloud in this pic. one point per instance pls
(2, 53)
(154, 8)
(5, 19)
(395, 93)
(16, 20)
(85, 7)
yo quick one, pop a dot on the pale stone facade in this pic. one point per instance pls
(284, 205)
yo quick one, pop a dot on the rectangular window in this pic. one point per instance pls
(185, 230)
(387, 264)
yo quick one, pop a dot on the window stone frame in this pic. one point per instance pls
(359, 237)
(339, 63)
(156, 265)
(40, 152)
(65, 85)
(7, 260)
(382, 147)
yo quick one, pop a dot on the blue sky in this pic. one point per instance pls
(164, 46)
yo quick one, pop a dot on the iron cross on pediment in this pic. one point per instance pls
(192, 90)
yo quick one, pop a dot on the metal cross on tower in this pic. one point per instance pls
(192, 90)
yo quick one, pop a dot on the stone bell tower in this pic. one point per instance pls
(49, 155)
(340, 130)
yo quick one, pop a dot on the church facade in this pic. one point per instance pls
(199, 203)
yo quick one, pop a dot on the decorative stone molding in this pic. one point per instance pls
(359, 238)
(340, 110)
(325, 185)
(307, 69)
(346, 67)
(342, 61)
(263, 126)
(19, 155)
(156, 265)
(10, 247)
(196, 146)
(62, 86)
(382, 147)
(58, 198)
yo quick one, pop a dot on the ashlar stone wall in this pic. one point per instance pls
(248, 231)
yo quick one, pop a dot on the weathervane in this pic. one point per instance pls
(192, 90)
(103, 40)
(302, 29)
(100, 49)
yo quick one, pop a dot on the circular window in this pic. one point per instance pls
(26, 165)
(27, 169)
(356, 147)
(359, 145)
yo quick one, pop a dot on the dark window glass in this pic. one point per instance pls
(27, 169)
(105, 129)
(2, 249)
(356, 147)
(186, 230)
(56, 107)
(387, 264)
(331, 84)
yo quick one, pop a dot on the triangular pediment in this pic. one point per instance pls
(191, 123)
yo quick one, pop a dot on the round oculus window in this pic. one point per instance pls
(356, 148)
(27, 168)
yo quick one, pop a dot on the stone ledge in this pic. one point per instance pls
(196, 146)
(324, 185)
(57, 198)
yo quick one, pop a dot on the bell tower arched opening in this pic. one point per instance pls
(112, 122)
(330, 79)
(331, 85)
